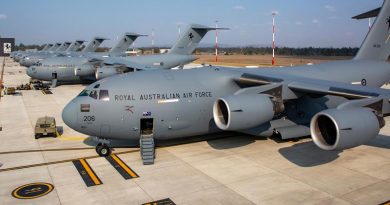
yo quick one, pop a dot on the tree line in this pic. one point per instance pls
(307, 51)
(288, 51)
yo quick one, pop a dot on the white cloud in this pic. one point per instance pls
(3, 16)
(238, 7)
(330, 8)
(315, 21)
(298, 23)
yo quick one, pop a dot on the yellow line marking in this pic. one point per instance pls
(132, 174)
(89, 171)
(72, 138)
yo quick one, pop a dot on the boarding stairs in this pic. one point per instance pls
(146, 144)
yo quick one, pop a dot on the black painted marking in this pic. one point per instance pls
(32, 191)
(84, 173)
(385, 203)
(364, 82)
(166, 201)
(123, 169)
(353, 92)
(46, 92)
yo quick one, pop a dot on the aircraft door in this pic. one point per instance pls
(146, 126)
(54, 76)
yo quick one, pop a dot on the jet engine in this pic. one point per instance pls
(103, 72)
(84, 70)
(337, 129)
(238, 112)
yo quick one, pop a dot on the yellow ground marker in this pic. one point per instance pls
(124, 166)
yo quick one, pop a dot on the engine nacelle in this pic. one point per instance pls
(103, 72)
(84, 70)
(238, 112)
(337, 129)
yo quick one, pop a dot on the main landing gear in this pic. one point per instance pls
(103, 150)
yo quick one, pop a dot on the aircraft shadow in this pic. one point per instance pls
(237, 140)
(212, 139)
(307, 154)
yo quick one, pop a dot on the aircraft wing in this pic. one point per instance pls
(119, 62)
(291, 87)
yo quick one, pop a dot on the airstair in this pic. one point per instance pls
(146, 144)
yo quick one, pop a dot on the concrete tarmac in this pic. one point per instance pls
(239, 169)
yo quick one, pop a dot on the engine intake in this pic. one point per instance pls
(238, 112)
(84, 70)
(336, 129)
(103, 72)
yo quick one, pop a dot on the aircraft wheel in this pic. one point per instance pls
(103, 150)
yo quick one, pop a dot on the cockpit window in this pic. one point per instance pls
(103, 95)
(84, 93)
(93, 94)
(96, 86)
(96, 94)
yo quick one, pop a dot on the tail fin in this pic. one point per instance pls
(75, 46)
(64, 46)
(55, 47)
(46, 47)
(376, 45)
(125, 42)
(94, 44)
(190, 39)
(49, 46)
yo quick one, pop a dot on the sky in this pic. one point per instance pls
(299, 23)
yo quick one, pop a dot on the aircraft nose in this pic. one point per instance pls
(69, 115)
(29, 71)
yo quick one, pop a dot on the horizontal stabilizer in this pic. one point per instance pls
(368, 14)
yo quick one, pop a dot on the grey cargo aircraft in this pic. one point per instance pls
(339, 103)
(21, 54)
(35, 57)
(92, 68)
(57, 68)
(45, 48)
(62, 51)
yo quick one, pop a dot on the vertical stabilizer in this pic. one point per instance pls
(46, 47)
(376, 45)
(190, 39)
(55, 47)
(125, 42)
(94, 44)
(64, 46)
(75, 46)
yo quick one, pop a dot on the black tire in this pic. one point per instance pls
(103, 150)
(37, 136)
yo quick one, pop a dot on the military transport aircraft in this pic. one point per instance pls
(34, 58)
(339, 103)
(94, 67)
(14, 54)
(31, 59)
(21, 54)
(54, 68)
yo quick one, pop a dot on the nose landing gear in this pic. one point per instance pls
(103, 150)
